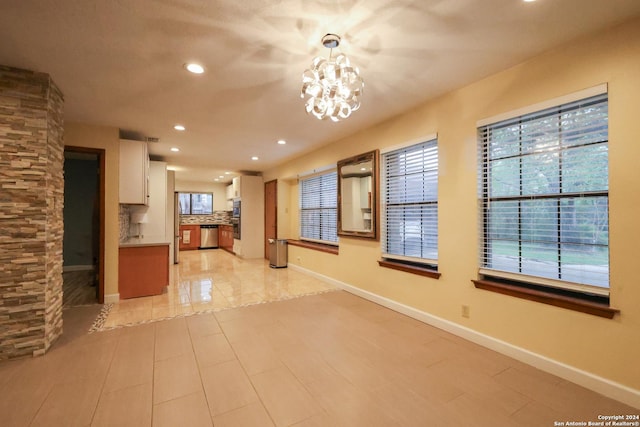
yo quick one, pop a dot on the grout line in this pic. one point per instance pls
(198, 367)
(247, 376)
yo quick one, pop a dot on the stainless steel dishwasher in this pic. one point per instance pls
(208, 236)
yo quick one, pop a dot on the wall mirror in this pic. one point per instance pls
(358, 196)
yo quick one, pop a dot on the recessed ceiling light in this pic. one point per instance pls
(175, 149)
(282, 142)
(194, 68)
(179, 127)
(216, 179)
(227, 173)
(529, 1)
(254, 158)
(221, 176)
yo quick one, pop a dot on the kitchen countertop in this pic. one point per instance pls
(144, 241)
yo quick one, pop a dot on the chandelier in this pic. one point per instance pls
(333, 86)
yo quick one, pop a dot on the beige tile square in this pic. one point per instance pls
(69, 404)
(20, 403)
(130, 317)
(190, 410)
(132, 304)
(202, 325)
(307, 365)
(284, 396)
(217, 303)
(252, 415)
(132, 362)
(227, 387)
(212, 349)
(170, 344)
(175, 377)
(464, 410)
(170, 311)
(535, 414)
(256, 355)
(344, 405)
(125, 407)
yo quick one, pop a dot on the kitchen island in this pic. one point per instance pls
(143, 268)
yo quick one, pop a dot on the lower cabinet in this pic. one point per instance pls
(143, 270)
(189, 237)
(226, 237)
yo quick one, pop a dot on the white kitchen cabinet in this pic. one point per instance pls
(153, 216)
(134, 172)
(229, 192)
(236, 187)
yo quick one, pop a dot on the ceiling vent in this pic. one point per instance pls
(133, 135)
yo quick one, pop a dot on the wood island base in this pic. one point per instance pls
(143, 270)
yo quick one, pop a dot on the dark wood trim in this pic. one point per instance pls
(315, 246)
(275, 218)
(100, 152)
(413, 269)
(549, 298)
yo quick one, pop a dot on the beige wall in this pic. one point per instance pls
(107, 138)
(606, 348)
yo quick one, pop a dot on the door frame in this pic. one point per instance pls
(101, 210)
(273, 182)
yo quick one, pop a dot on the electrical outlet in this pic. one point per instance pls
(465, 311)
(298, 259)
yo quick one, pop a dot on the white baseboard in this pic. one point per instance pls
(77, 268)
(112, 298)
(612, 389)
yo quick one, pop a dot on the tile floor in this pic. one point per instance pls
(329, 359)
(213, 279)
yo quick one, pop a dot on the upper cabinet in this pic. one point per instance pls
(134, 172)
(236, 187)
(230, 192)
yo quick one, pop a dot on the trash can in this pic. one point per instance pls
(277, 253)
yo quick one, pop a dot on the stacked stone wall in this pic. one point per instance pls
(31, 223)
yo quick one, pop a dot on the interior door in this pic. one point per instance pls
(270, 214)
(176, 228)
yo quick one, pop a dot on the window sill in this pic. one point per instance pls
(315, 246)
(549, 298)
(421, 271)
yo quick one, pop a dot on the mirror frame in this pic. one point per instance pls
(361, 158)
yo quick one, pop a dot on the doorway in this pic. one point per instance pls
(83, 241)
(270, 214)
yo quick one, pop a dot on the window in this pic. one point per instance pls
(543, 184)
(410, 203)
(319, 208)
(196, 203)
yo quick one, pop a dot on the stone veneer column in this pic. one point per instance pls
(31, 221)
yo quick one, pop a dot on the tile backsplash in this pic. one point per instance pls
(124, 220)
(218, 217)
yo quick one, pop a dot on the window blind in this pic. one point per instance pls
(319, 208)
(543, 184)
(410, 203)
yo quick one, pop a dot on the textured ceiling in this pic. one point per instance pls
(120, 63)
